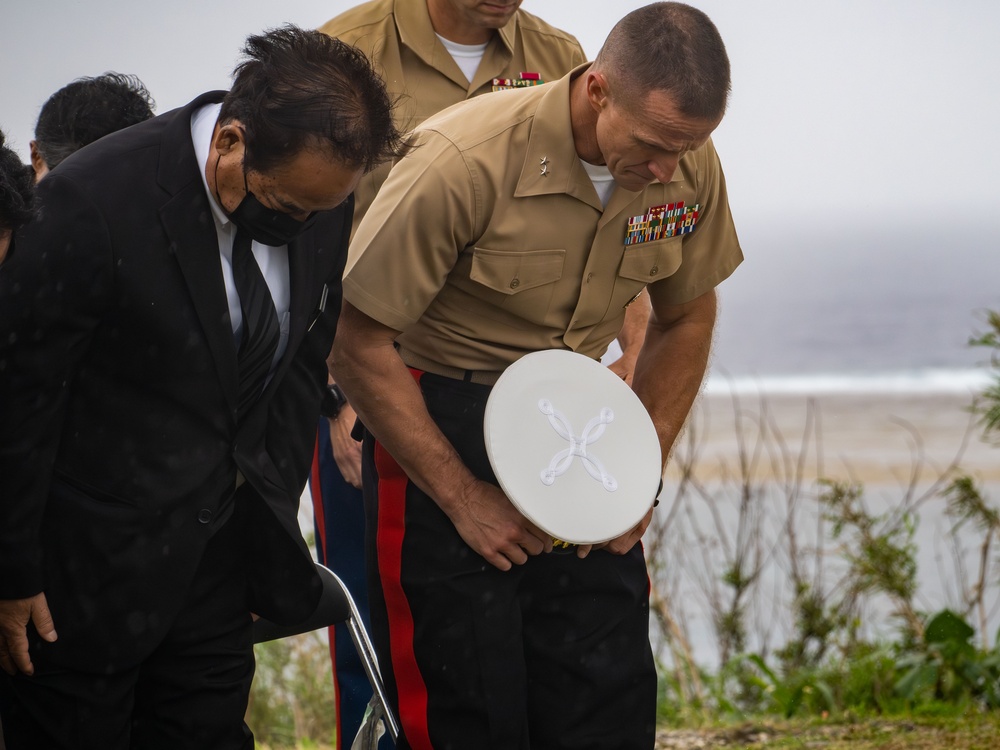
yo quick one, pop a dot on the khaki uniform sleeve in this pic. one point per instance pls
(410, 239)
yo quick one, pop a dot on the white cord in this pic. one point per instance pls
(561, 462)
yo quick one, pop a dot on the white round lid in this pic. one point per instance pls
(572, 446)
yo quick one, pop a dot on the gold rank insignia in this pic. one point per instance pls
(526, 79)
(660, 222)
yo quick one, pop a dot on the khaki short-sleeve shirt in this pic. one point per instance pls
(397, 36)
(489, 241)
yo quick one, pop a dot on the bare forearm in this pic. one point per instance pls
(633, 331)
(388, 400)
(672, 364)
(631, 336)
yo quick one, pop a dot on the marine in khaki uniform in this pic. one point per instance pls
(496, 236)
(433, 53)
(399, 37)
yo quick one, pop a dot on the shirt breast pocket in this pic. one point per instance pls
(651, 261)
(646, 263)
(522, 282)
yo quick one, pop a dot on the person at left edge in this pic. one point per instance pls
(17, 207)
(17, 196)
(149, 497)
(84, 111)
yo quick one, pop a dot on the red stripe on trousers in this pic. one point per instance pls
(410, 687)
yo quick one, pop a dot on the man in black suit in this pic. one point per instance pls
(164, 327)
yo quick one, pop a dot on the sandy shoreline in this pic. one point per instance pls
(872, 437)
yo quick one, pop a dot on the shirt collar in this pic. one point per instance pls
(549, 147)
(417, 33)
(203, 122)
(508, 33)
(551, 164)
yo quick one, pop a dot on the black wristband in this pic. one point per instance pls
(333, 401)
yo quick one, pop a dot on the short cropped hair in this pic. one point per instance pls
(88, 109)
(301, 89)
(17, 189)
(669, 47)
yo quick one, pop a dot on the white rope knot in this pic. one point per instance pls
(561, 462)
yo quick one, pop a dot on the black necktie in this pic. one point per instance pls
(260, 323)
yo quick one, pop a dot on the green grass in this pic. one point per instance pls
(972, 731)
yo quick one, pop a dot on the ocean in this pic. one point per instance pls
(885, 306)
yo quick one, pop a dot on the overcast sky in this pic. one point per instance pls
(845, 115)
(849, 104)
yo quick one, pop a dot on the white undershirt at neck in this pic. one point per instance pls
(466, 56)
(604, 183)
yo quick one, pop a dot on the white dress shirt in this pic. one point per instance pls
(273, 261)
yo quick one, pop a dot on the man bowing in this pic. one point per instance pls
(163, 331)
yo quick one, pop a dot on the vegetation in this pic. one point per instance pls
(810, 586)
(973, 732)
(292, 699)
(988, 405)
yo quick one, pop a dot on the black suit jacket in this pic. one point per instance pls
(119, 444)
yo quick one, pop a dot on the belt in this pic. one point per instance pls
(480, 377)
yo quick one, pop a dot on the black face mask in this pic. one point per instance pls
(263, 224)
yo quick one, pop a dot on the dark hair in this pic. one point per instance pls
(88, 109)
(303, 89)
(17, 189)
(668, 47)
